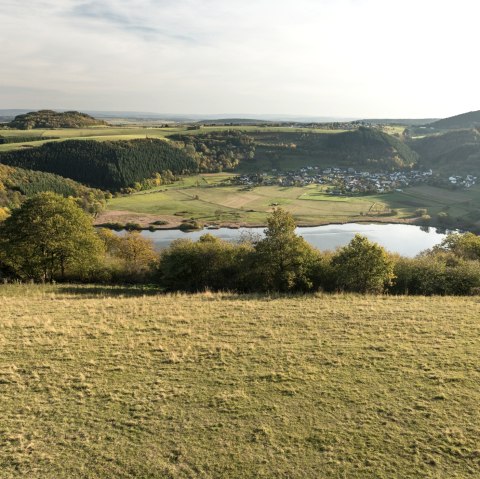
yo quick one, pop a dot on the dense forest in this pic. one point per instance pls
(366, 148)
(18, 184)
(465, 120)
(22, 139)
(453, 153)
(109, 165)
(217, 151)
(53, 119)
(377, 147)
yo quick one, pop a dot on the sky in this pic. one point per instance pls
(328, 58)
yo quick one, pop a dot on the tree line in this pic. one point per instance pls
(50, 238)
(54, 119)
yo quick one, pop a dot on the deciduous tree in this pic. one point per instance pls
(47, 236)
(363, 267)
(283, 260)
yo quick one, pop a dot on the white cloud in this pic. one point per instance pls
(310, 57)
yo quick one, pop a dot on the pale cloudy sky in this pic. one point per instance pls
(345, 58)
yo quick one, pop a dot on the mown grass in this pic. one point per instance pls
(120, 382)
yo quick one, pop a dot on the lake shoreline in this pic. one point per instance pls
(145, 222)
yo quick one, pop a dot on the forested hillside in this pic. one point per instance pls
(22, 139)
(219, 150)
(465, 120)
(372, 147)
(107, 165)
(456, 152)
(365, 148)
(17, 184)
(53, 119)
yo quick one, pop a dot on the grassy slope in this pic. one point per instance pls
(113, 385)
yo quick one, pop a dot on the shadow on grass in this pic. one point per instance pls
(109, 291)
(116, 291)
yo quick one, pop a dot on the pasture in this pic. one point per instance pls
(204, 198)
(209, 199)
(100, 382)
(463, 204)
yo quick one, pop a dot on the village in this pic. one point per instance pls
(348, 181)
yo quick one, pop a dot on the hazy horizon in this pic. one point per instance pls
(346, 59)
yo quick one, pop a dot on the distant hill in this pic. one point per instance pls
(458, 122)
(397, 121)
(455, 152)
(235, 121)
(107, 165)
(52, 119)
(16, 184)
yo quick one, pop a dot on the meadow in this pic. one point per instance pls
(102, 382)
(208, 198)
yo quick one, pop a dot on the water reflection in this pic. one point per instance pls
(407, 240)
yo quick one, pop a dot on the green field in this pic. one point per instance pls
(242, 205)
(463, 204)
(123, 383)
(204, 198)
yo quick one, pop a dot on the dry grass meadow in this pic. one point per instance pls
(127, 383)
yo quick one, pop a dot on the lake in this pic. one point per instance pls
(407, 240)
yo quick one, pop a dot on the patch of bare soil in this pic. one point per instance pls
(143, 219)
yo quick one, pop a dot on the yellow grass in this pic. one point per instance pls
(125, 383)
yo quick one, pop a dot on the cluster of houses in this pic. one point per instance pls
(344, 181)
(463, 181)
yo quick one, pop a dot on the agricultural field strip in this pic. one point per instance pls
(193, 197)
(134, 132)
(231, 193)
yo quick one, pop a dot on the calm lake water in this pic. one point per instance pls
(407, 240)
